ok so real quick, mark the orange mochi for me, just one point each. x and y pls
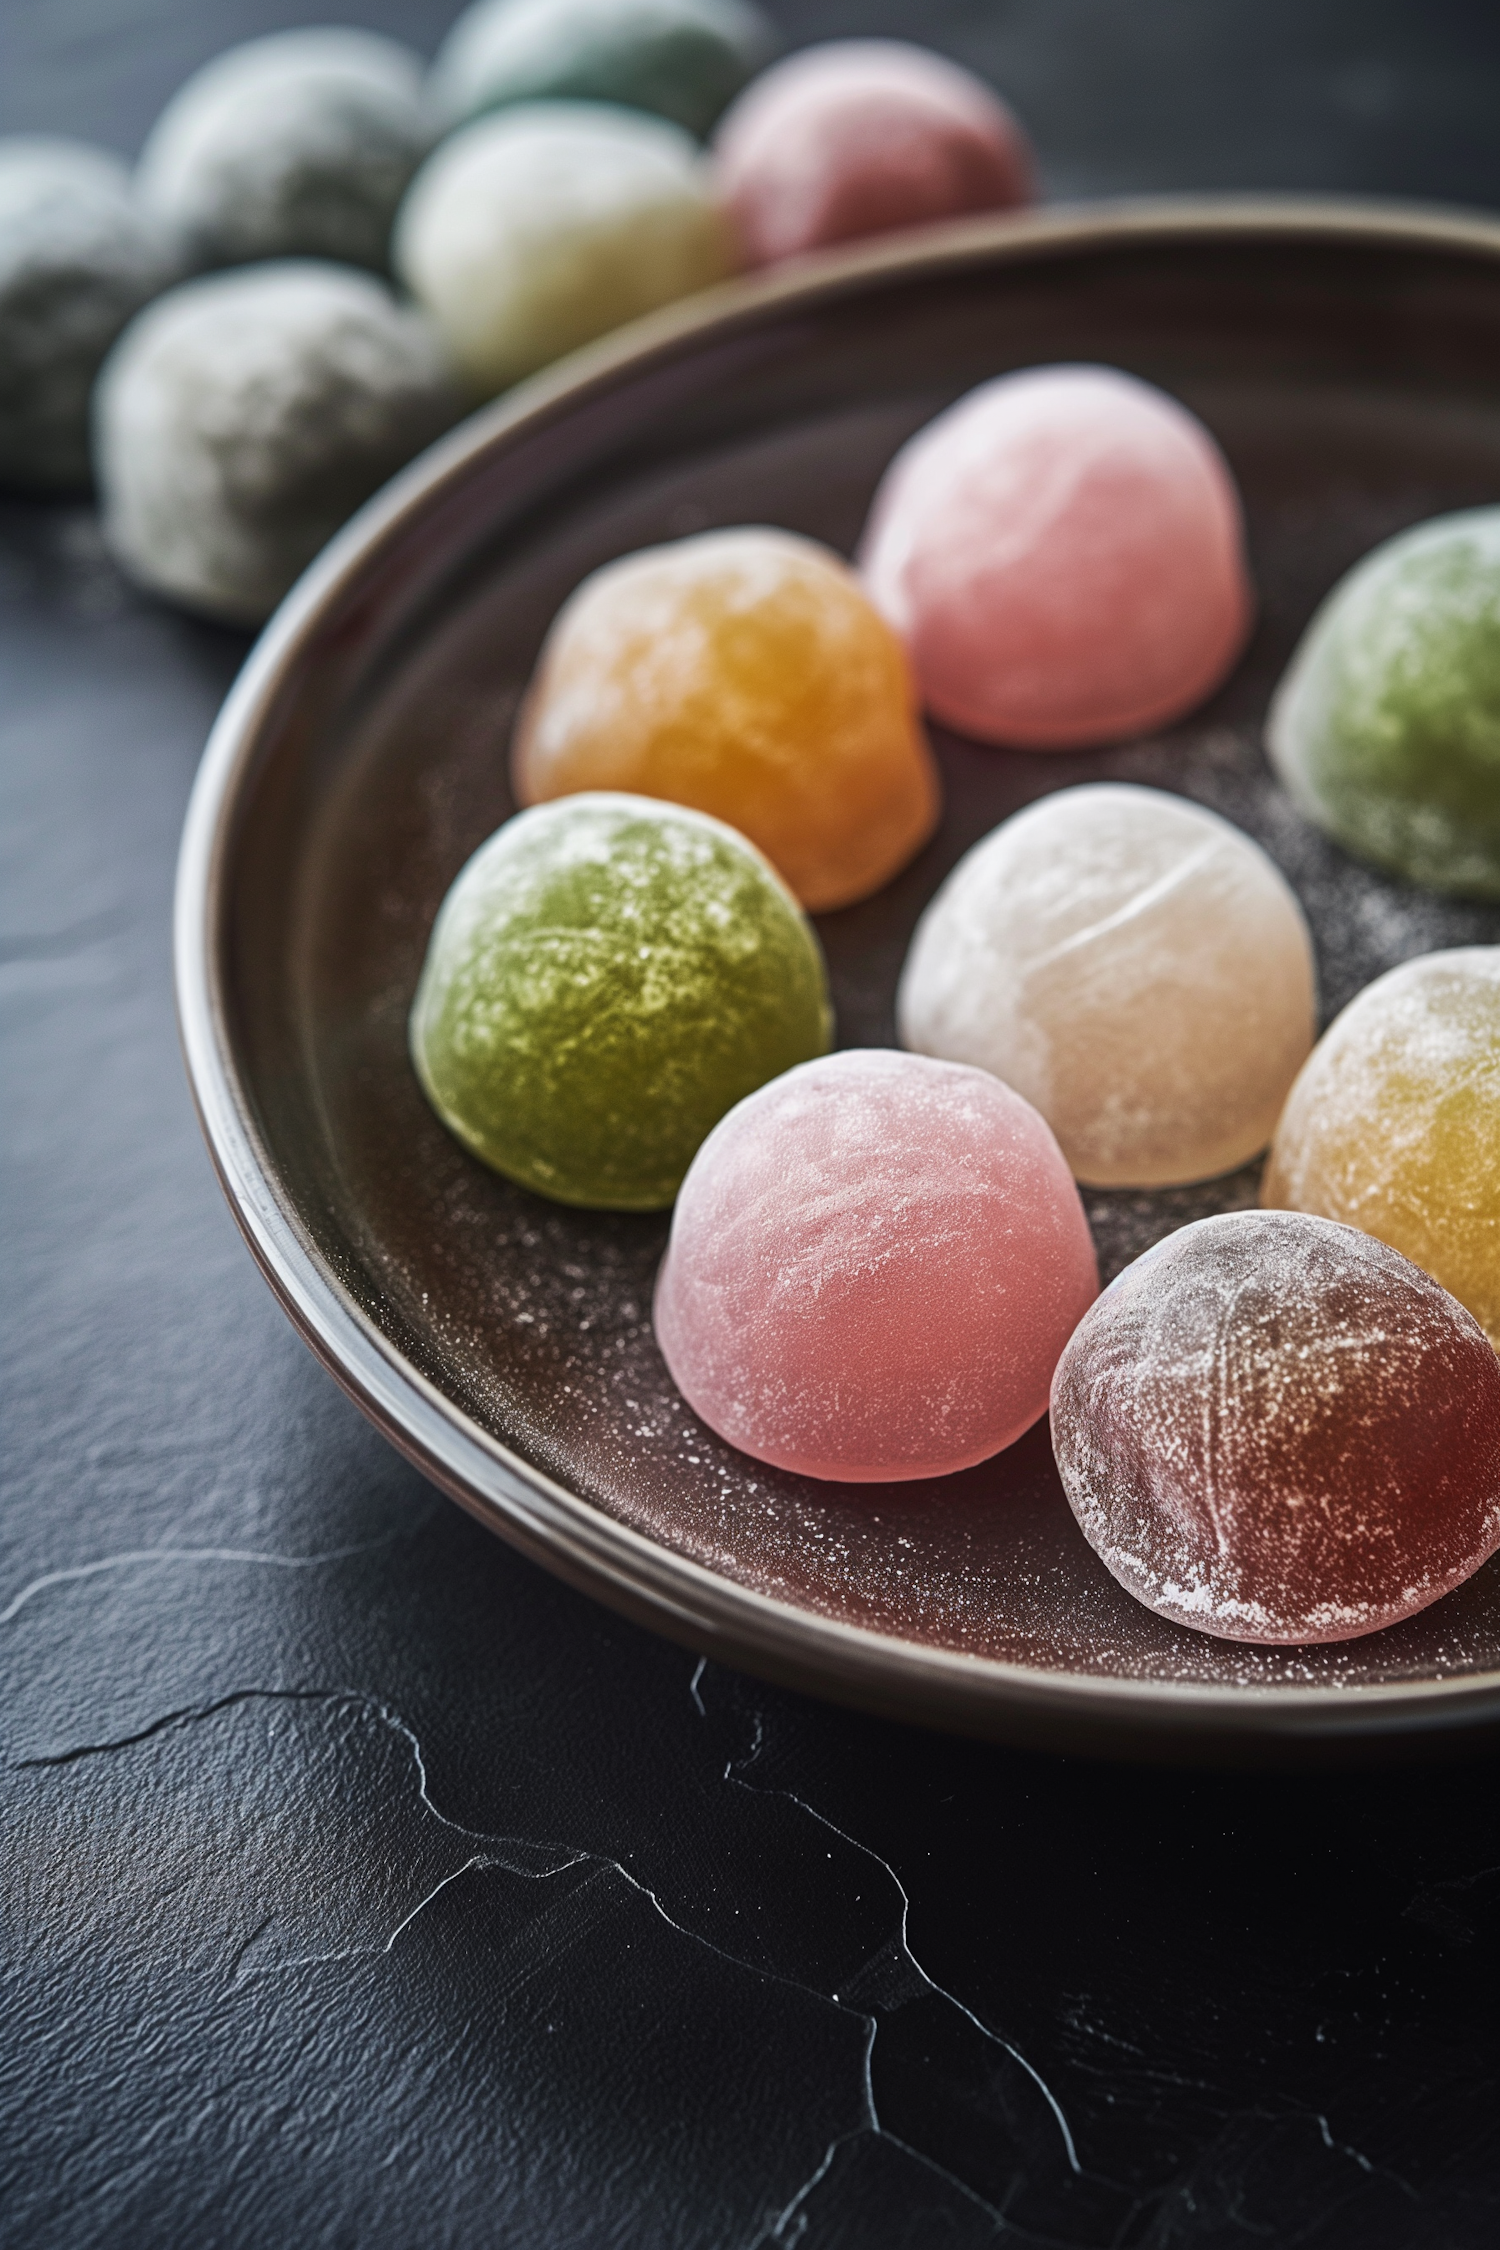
(744, 673)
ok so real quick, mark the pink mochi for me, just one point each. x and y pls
(874, 1265)
(1063, 554)
(860, 137)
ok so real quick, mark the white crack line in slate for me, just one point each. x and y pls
(777, 2230)
(937, 1990)
(134, 1555)
(569, 1854)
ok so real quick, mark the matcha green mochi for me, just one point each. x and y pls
(607, 976)
(682, 59)
(1386, 727)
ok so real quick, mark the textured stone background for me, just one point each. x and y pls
(364, 1886)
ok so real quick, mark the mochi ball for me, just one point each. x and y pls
(297, 145)
(78, 257)
(1393, 1124)
(679, 59)
(857, 138)
(1273, 1428)
(873, 1266)
(1386, 727)
(1134, 966)
(1063, 553)
(606, 977)
(533, 231)
(244, 416)
(747, 673)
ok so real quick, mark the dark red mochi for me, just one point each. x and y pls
(1275, 1428)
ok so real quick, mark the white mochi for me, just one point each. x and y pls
(1133, 965)
(244, 416)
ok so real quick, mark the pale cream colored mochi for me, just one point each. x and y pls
(1133, 965)
(534, 230)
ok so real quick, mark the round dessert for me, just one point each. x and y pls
(1062, 552)
(605, 979)
(859, 137)
(243, 417)
(1394, 1124)
(298, 145)
(534, 231)
(680, 59)
(874, 1264)
(1386, 727)
(1134, 966)
(1273, 1428)
(744, 672)
(78, 258)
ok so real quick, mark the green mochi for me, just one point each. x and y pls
(606, 977)
(1386, 727)
(682, 59)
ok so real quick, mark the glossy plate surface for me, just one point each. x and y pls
(1348, 359)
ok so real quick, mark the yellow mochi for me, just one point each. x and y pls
(1393, 1125)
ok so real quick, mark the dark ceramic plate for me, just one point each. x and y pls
(1349, 361)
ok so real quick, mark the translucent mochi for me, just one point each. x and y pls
(1134, 966)
(859, 137)
(1062, 552)
(873, 1266)
(1394, 1124)
(1386, 728)
(533, 231)
(744, 672)
(298, 145)
(604, 980)
(681, 59)
(243, 417)
(78, 257)
(1277, 1429)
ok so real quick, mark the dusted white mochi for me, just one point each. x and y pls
(1134, 966)
(244, 417)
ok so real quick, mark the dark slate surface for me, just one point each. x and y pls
(366, 1887)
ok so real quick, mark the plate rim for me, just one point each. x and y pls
(686, 1600)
